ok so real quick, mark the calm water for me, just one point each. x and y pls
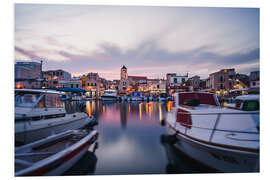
(131, 141)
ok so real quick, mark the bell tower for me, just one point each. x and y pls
(123, 74)
(123, 79)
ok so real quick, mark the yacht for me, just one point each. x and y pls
(226, 139)
(40, 113)
(109, 95)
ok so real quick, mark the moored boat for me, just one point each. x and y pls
(53, 155)
(226, 139)
(40, 113)
(163, 97)
(136, 96)
(109, 95)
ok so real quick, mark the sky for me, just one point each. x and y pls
(150, 41)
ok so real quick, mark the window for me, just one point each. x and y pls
(251, 106)
(221, 78)
(95, 84)
(41, 103)
(175, 80)
(71, 85)
(183, 80)
(52, 101)
(254, 83)
(77, 85)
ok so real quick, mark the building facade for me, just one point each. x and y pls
(28, 75)
(254, 78)
(222, 80)
(195, 83)
(56, 78)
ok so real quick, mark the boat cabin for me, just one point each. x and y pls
(38, 99)
(247, 103)
(30, 103)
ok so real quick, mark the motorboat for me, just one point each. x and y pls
(109, 95)
(136, 96)
(40, 113)
(53, 155)
(163, 97)
(226, 139)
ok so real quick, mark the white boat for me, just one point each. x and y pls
(40, 113)
(136, 96)
(226, 139)
(77, 98)
(109, 95)
(163, 97)
(53, 155)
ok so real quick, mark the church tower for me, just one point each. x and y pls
(123, 79)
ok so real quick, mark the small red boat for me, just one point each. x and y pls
(53, 155)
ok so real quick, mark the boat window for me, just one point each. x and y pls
(41, 103)
(52, 101)
(251, 106)
(26, 100)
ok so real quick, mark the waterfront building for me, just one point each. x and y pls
(195, 83)
(241, 81)
(222, 81)
(28, 75)
(54, 77)
(254, 78)
(156, 86)
(92, 83)
(176, 80)
(176, 83)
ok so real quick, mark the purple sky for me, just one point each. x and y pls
(150, 41)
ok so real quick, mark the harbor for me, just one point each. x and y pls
(118, 94)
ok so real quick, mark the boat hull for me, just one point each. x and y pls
(29, 131)
(219, 158)
(109, 98)
(136, 98)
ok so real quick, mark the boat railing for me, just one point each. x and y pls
(217, 120)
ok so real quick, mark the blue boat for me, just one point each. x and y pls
(136, 96)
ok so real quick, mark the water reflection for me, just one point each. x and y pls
(86, 165)
(178, 162)
(129, 137)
